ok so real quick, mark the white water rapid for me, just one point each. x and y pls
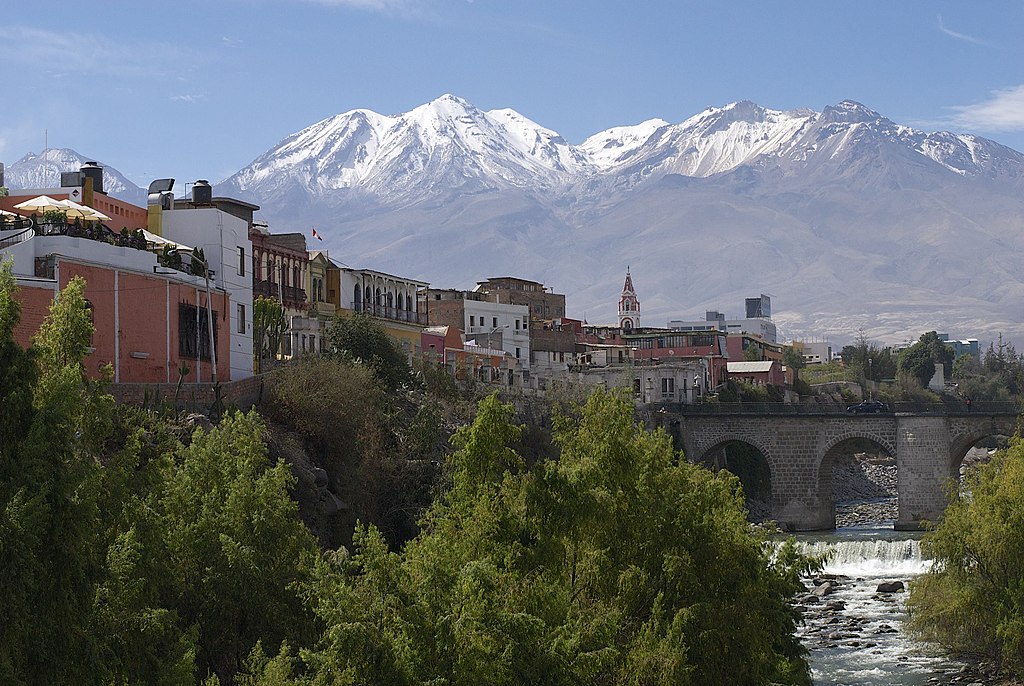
(854, 632)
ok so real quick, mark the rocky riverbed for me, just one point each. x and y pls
(854, 614)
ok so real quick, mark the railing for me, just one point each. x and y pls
(983, 407)
(19, 237)
(394, 313)
(269, 289)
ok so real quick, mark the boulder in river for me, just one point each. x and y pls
(890, 587)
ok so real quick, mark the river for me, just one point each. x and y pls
(854, 633)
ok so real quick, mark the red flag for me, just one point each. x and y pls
(316, 235)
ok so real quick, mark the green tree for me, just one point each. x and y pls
(50, 547)
(793, 359)
(236, 545)
(868, 360)
(972, 599)
(618, 563)
(269, 327)
(919, 360)
(65, 335)
(362, 337)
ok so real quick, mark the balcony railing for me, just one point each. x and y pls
(390, 313)
(289, 294)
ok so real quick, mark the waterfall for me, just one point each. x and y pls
(870, 557)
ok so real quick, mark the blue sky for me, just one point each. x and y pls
(199, 89)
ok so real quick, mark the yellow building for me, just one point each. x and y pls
(389, 299)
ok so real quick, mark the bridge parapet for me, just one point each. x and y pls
(942, 409)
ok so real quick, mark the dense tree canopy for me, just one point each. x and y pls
(617, 563)
(972, 600)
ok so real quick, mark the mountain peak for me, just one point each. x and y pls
(849, 112)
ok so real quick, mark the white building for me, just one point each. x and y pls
(763, 327)
(220, 226)
(501, 326)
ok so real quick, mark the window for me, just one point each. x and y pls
(241, 318)
(241, 261)
(472, 320)
(517, 353)
(194, 332)
(494, 322)
(668, 386)
(312, 343)
(303, 342)
(517, 325)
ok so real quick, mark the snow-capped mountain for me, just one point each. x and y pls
(443, 147)
(43, 170)
(851, 221)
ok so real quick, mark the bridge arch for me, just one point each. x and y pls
(840, 451)
(968, 435)
(749, 460)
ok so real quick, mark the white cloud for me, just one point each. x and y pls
(959, 36)
(189, 98)
(60, 53)
(1004, 111)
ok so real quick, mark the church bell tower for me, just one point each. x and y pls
(629, 306)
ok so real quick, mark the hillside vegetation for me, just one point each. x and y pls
(144, 547)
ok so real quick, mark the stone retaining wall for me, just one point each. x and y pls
(242, 394)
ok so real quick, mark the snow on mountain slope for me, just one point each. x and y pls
(43, 170)
(612, 146)
(446, 143)
(448, 147)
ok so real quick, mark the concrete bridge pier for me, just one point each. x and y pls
(922, 473)
(803, 509)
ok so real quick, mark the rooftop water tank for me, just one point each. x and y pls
(91, 170)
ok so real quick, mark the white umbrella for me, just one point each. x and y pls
(83, 211)
(5, 213)
(160, 240)
(41, 204)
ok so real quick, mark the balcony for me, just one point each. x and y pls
(392, 313)
(288, 294)
(322, 309)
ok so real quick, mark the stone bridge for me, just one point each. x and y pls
(801, 443)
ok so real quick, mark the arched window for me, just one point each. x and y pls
(356, 297)
(391, 299)
(627, 325)
(377, 300)
(408, 303)
(401, 301)
(368, 300)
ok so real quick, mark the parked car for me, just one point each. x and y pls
(868, 407)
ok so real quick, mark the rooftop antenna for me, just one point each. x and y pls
(46, 140)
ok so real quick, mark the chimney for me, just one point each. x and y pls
(159, 199)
